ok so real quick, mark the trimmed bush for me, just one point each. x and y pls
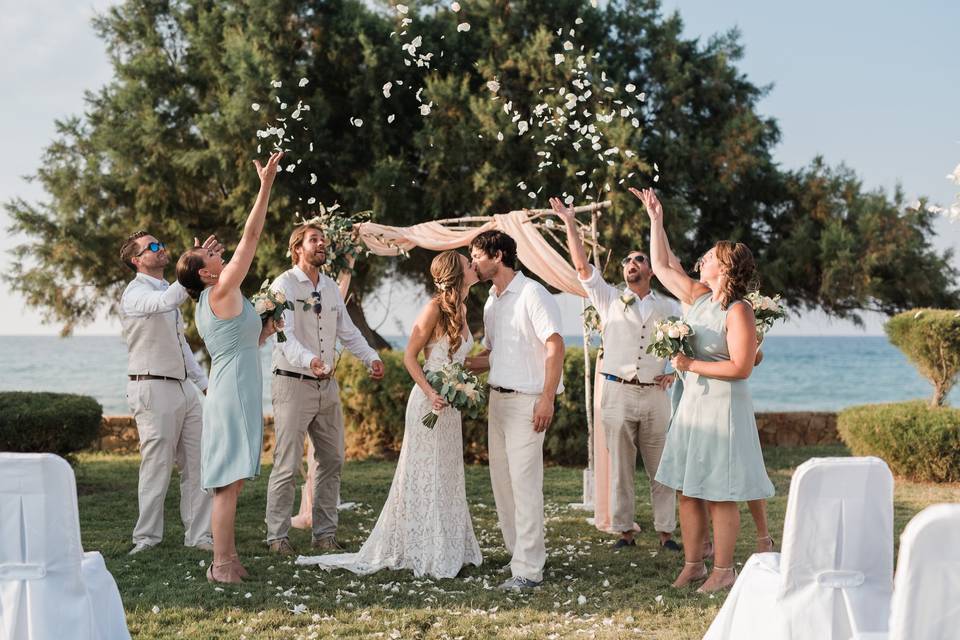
(42, 422)
(374, 413)
(916, 440)
(930, 338)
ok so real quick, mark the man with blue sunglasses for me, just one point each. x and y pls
(162, 393)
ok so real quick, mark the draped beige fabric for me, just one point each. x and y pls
(534, 251)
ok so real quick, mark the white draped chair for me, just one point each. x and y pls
(926, 589)
(835, 576)
(50, 588)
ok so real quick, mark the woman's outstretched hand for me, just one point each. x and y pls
(269, 172)
(651, 202)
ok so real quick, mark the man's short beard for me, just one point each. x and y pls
(316, 259)
(635, 278)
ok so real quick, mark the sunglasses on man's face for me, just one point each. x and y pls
(637, 259)
(155, 247)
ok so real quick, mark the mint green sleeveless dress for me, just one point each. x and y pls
(712, 449)
(233, 409)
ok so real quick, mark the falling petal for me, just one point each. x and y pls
(255, 106)
(463, 26)
(386, 89)
(391, 118)
(402, 9)
(455, 7)
(558, 58)
(303, 82)
(630, 88)
(313, 178)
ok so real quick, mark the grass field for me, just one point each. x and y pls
(589, 591)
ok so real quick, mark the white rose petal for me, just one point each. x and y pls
(455, 7)
(463, 26)
(558, 58)
(581, 600)
(493, 85)
(673, 332)
(313, 178)
(425, 109)
(402, 9)
(391, 117)
(955, 176)
(291, 167)
(568, 46)
(386, 89)
(255, 106)
(630, 88)
(276, 84)
(303, 82)
(155, 609)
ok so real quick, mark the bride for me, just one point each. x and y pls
(425, 524)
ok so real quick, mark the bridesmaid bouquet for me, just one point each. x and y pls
(459, 388)
(271, 304)
(767, 310)
(672, 337)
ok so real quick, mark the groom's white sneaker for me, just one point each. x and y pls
(516, 583)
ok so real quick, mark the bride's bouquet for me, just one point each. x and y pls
(767, 310)
(459, 388)
(271, 304)
(672, 337)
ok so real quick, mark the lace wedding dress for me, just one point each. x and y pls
(425, 524)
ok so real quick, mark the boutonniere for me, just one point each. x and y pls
(627, 298)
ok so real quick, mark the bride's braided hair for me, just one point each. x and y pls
(738, 267)
(447, 272)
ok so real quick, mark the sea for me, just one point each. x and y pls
(822, 373)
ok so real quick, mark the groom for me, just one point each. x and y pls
(524, 352)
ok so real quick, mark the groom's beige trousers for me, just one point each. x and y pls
(635, 419)
(169, 419)
(516, 473)
(302, 407)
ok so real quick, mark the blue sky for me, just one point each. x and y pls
(871, 84)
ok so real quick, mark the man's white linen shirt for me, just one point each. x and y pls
(516, 325)
(628, 331)
(293, 349)
(146, 295)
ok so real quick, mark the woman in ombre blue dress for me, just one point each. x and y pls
(712, 454)
(233, 413)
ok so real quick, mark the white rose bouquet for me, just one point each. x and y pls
(672, 337)
(767, 310)
(460, 389)
(271, 304)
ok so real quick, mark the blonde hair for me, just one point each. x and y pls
(296, 238)
(738, 267)
(447, 272)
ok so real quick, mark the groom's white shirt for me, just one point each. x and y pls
(516, 326)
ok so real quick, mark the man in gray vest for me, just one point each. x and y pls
(165, 404)
(634, 407)
(306, 398)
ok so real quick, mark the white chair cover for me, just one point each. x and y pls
(835, 575)
(50, 588)
(926, 590)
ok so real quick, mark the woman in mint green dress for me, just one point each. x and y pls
(712, 454)
(233, 413)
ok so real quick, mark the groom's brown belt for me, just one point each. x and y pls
(298, 376)
(637, 383)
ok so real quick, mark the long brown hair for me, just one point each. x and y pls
(738, 267)
(188, 272)
(447, 272)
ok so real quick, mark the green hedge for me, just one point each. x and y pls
(374, 413)
(60, 423)
(930, 338)
(916, 440)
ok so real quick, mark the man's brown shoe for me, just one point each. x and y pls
(282, 547)
(326, 544)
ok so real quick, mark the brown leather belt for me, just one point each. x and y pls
(502, 390)
(298, 376)
(636, 383)
(139, 377)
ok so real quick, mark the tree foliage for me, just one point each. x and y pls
(930, 338)
(167, 145)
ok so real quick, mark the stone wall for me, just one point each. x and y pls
(790, 429)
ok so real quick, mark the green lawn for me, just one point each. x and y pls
(627, 593)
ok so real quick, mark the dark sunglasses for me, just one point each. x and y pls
(637, 259)
(315, 299)
(153, 246)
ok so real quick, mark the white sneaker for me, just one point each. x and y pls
(139, 547)
(518, 583)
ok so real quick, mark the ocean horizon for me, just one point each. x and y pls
(798, 373)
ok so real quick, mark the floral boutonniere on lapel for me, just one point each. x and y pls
(627, 298)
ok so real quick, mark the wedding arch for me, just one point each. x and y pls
(540, 242)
